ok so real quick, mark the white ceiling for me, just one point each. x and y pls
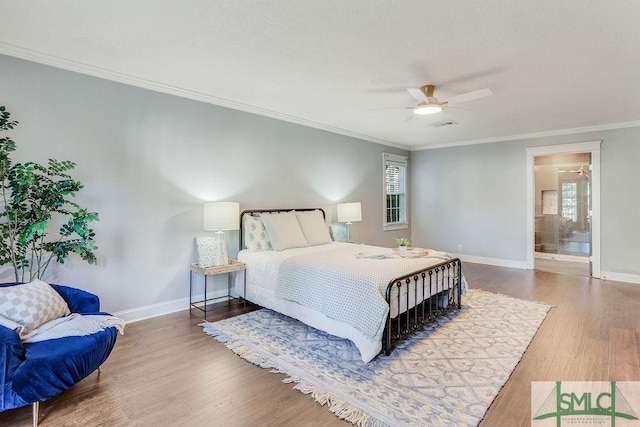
(555, 66)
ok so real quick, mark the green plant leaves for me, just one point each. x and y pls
(403, 241)
(31, 197)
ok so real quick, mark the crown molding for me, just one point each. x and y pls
(597, 128)
(103, 73)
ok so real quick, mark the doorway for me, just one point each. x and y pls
(563, 205)
(562, 241)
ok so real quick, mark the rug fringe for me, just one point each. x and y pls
(241, 350)
(340, 408)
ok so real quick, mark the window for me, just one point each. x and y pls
(395, 191)
(570, 200)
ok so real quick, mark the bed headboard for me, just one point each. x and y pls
(257, 212)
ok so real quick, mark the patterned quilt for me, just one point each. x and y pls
(348, 284)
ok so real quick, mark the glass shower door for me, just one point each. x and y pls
(563, 210)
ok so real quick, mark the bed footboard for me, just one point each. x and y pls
(426, 295)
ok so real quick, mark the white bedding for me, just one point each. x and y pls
(262, 275)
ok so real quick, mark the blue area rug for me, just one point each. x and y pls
(446, 375)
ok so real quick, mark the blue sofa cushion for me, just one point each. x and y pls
(12, 354)
(53, 366)
(79, 301)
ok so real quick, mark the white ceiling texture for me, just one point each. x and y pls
(554, 66)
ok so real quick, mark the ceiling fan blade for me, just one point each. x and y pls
(391, 108)
(469, 96)
(408, 119)
(417, 94)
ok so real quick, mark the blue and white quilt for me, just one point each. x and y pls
(348, 284)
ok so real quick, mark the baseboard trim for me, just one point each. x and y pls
(493, 261)
(167, 307)
(620, 277)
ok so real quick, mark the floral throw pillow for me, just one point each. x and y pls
(255, 235)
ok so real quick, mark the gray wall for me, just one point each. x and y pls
(476, 196)
(148, 161)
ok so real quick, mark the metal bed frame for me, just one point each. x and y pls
(443, 282)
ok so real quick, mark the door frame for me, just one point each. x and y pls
(592, 147)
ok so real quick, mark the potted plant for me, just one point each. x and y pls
(32, 197)
(403, 243)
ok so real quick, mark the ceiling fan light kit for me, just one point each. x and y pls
(429, 104)
(424, 108)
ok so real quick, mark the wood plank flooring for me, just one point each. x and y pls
(166, 372)
(563, 267)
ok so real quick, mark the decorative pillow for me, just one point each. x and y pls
(255, 236)
(283, 230)
(30, 305)
(212, 250)
(314, 228)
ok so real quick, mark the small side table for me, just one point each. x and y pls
(233, 267)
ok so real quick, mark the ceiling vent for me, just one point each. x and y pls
(444, 123)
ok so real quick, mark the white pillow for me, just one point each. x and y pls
(283, 230)
(255, 236)
(314, 228)
(30, 305)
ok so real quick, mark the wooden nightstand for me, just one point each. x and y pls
(233, 267)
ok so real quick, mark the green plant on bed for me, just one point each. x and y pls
(33, 196)
(403, 241)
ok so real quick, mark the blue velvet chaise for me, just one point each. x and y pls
(34, 372)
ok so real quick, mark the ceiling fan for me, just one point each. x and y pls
(429, 104)
(582, 171)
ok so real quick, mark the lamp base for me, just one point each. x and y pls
(212, 250)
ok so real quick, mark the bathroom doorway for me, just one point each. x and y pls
(563, 213)
(563, 208)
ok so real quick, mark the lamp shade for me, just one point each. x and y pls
(221, 216)
(349, 212)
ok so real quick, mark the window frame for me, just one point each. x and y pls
(569, 200)
(403, 163)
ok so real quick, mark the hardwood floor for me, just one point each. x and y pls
(166, 372)
(562, 267)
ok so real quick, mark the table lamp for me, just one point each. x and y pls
(349, 213)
